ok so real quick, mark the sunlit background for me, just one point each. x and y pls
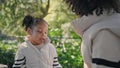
(59, 18)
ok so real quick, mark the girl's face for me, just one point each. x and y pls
(38, 34)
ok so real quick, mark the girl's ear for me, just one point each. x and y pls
(29, 31)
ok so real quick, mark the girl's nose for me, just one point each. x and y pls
(44, 35)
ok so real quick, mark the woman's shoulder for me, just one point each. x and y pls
(111, 23)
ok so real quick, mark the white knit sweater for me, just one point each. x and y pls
(100, 40)
(30, 57)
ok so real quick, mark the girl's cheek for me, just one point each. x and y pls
(34, 34)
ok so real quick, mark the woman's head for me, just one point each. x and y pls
(36, 28)
(87, 7)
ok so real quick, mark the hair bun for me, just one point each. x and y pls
(27, 21)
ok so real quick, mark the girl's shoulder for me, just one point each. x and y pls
(51, 45)
(22, 45)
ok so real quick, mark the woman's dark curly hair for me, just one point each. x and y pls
(87, 7)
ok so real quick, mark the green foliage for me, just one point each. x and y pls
(7, 53)
(13, 11)
(55, 32)
(68, 49)
(59, 14)
(70, 56)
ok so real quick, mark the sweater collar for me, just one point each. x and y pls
(41, 45)
(80, 25)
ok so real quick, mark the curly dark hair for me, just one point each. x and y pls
(87, 7)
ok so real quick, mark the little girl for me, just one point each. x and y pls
(36, 51)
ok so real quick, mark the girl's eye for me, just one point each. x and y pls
(39, 31)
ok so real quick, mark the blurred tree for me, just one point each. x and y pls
(59, 14)
(13, 11)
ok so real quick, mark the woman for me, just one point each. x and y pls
(98, 24)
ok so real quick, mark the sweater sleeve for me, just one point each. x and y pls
(56, 63)
(105, 50)
(19, 59)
